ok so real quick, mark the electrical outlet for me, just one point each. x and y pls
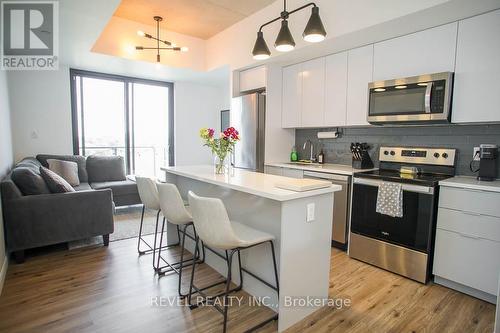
(475, 154)
(310, 212)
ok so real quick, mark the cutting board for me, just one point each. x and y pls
(302, 185)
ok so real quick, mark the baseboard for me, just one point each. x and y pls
(466, 290)
(3, 271)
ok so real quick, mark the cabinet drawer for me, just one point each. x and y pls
(470, 224)
(293, 173)
(470, 261)
(272, 170)
(474, 201)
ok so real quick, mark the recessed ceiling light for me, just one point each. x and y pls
(422, 84)
(400, 87)
(379, 89)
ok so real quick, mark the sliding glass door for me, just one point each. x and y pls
(129, 117)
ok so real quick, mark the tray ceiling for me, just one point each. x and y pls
(197, 18)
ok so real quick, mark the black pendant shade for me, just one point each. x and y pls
(284, 41)
(314, 31)
(260, 50)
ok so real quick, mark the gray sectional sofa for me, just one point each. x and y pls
(35, 220)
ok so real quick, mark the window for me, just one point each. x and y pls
(124, 116)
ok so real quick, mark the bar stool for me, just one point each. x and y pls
(148, 192)
(216, 231)
(175, 212)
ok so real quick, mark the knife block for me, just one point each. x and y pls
(365, 162)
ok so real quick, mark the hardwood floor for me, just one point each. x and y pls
(111, 289)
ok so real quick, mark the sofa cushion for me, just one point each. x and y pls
(105, 168)
(29, 162)
(80, 160)
(29, 181)
(122, 187)
(83, 187)
(56, 183)
(66, 169)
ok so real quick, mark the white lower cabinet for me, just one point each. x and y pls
(286, 172)
(272, 170)
(467, 248)
(293, 173)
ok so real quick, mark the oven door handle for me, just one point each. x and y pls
(406, 187)
(428, 95)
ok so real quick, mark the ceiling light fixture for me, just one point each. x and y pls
(313, 33)
(170, 46)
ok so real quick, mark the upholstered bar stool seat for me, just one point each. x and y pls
(217, 231)
(176, 212)
(248, 236)
(150, 200)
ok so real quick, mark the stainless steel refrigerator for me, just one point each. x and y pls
(248, 116)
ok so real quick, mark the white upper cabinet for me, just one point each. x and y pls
(253, 78)
(313, 93)
(359, 74)
(336, 90)
(424, 52)
(476, 95)
(292, 96)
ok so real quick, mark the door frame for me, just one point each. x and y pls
(128, 109)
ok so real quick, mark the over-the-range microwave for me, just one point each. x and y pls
(417, 99)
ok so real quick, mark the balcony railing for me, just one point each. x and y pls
(145, 160)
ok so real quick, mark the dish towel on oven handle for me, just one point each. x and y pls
(390, 199)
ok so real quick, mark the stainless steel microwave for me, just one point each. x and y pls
(417, 99)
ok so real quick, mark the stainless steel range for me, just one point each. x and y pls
(403, 245)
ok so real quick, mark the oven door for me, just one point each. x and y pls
(423, 98)
(414, 230)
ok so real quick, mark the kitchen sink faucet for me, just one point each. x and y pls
(312, 147)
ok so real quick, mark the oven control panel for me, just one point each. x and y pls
(418, 155)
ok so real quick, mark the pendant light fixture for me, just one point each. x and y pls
(169, 46)
(313, 33)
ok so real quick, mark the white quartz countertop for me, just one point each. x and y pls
(339, 169)
(472, 183)
(255, 183)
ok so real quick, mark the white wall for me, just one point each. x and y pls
(196, 106)
(5, 161)
(41, 112)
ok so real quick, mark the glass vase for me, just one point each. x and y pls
(220, 165)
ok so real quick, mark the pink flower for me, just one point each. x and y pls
(211, 132)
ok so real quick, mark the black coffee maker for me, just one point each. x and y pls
(488, 164)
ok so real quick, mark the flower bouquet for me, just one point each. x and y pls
(221, 146)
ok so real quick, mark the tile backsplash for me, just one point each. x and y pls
(461, 137)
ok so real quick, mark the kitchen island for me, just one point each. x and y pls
(300, 221)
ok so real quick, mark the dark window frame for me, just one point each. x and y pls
(128, 109)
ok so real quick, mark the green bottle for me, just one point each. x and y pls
(293, 156)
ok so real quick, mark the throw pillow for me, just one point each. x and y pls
(66, 169)
(55, 183)
(29, 181)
